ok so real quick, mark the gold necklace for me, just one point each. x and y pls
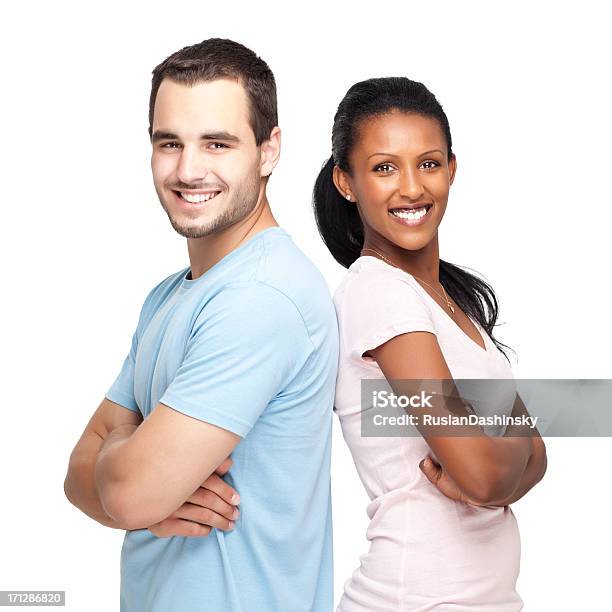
(444, 297)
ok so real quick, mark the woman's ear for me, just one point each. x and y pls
(452, 168)
(342, 183)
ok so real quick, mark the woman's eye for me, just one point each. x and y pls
(432, 164)
(383, 168)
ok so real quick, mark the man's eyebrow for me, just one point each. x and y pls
(421, 155)
(225, 136)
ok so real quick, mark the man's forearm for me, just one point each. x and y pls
(80, 486)
(106, 471)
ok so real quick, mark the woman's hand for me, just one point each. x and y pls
(212, 505)
(437, 476)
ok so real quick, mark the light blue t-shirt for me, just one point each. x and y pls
(250, 346)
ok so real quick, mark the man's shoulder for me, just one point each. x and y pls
(162, 289)
(285, 267)
(292, 300)
(172, 279)
(252, 297)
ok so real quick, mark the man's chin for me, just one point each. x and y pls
(191, 231)
(218, 220)
(190, 228)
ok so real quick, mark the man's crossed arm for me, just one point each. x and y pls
(211, 503)
(144, 475)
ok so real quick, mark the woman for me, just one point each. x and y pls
(442, 534)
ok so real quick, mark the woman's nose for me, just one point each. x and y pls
(410, 185)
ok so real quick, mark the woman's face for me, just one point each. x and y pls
(400, 178)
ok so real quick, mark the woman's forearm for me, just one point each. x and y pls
(534, 472)
(482, 467)
(536, 466)
(505, 468)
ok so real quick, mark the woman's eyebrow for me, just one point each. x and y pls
(432, 151)
(420, 155)
(383, 153)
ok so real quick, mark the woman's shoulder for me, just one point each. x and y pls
(373, 288)
(370, 276)
(375, 302)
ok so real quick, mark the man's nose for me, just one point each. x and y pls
(192, 166)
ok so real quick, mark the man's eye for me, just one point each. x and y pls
(218, 145)
(432, 163)
(383, 168)
(170, 145)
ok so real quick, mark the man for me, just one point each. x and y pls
(236, 354)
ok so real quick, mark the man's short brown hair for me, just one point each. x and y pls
(218, 58)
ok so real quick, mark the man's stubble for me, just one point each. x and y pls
(238, 208)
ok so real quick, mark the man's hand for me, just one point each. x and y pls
(437, 476)
(212, 505)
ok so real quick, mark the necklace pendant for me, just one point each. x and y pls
(451, 307)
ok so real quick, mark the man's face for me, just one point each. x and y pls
(206, 165)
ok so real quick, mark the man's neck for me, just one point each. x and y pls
(205, 252)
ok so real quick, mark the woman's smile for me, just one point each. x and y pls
(411, 216)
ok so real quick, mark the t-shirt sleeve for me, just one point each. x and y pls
(122, 390)
(247, 344)
(377, 306)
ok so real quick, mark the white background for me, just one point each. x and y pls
(84, 238)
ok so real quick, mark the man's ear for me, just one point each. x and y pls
(342, 183)
(452, 168)
(270, 152)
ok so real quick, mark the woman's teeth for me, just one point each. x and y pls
(196, 198)
(413, 215)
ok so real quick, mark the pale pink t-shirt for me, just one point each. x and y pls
(427, 551)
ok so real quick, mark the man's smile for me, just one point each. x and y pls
(195, 197)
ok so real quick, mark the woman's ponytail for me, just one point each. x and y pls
(337, 219)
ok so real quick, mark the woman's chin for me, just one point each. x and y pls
(410, 240)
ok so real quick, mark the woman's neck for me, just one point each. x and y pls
(423, 263)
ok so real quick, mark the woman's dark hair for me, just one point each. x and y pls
(339, 223)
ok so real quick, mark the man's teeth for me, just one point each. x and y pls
(413, 215)
(196, 198)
